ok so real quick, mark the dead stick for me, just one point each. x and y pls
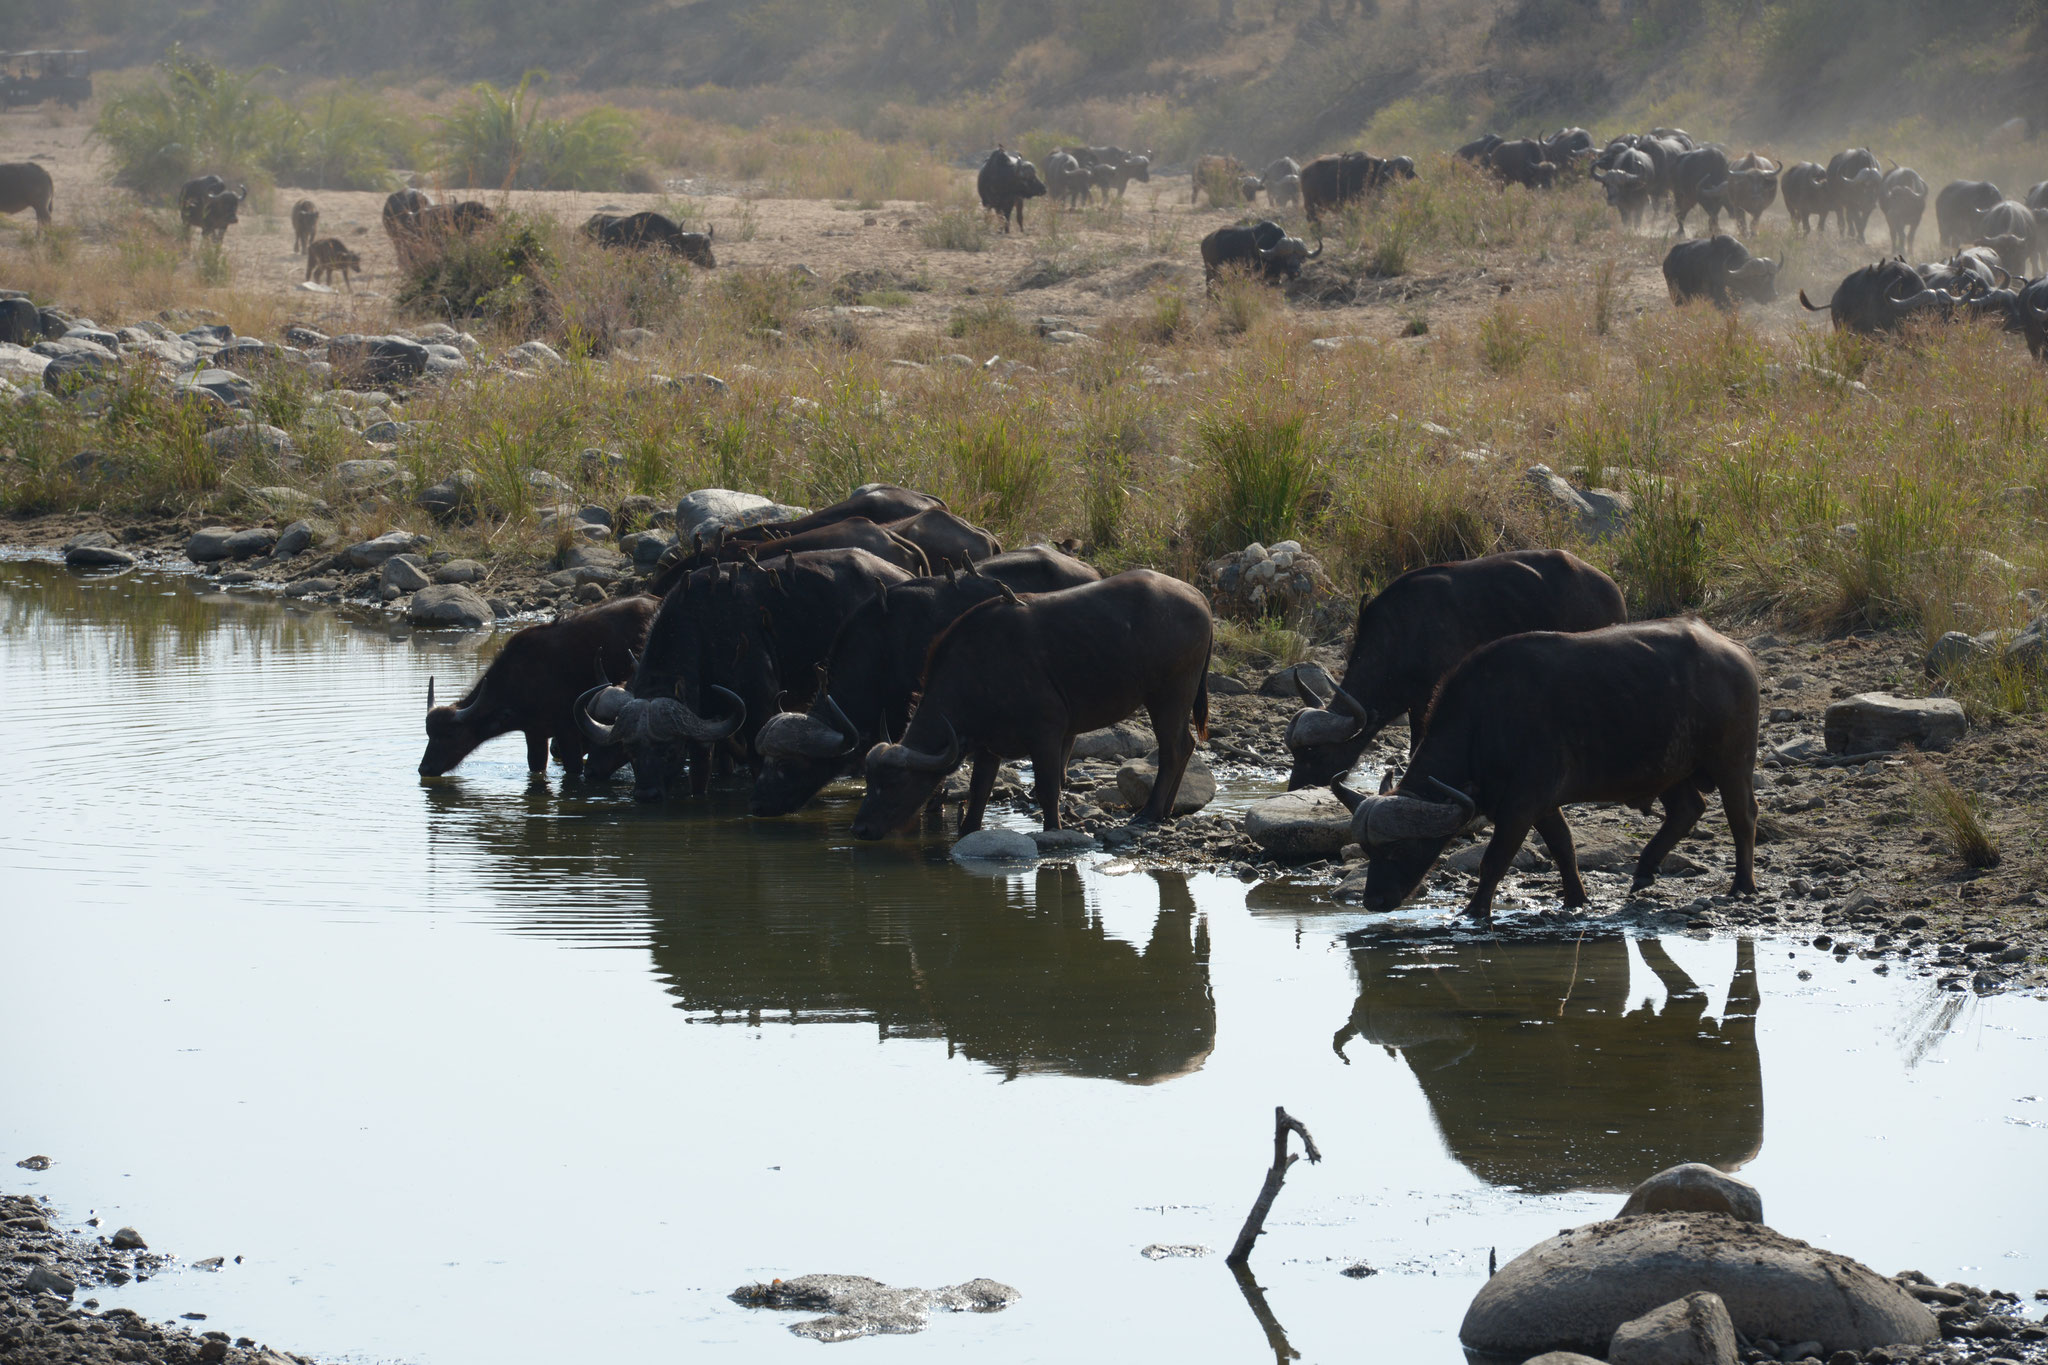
(1255, 1222)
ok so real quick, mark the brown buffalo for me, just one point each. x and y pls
(305, 224)
(25, 185)
(328, 255)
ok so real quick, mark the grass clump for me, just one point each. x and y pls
(955, 230)
(1263, 479)
(497, 139)
(1954, 815)
(1263, 644)
(496, 274)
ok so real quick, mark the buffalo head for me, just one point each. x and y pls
(1755, 278)
(1287, 256)
(453, 732)
(799, 755)
(1403, 836)
(656, 733)
(1327, 740)
(901, 780)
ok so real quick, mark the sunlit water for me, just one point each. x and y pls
(479, 1070)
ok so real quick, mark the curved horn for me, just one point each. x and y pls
(1393, 818)
(1466, 803)
(1350, 798)
(604, 679)
(1345, 702)
(839, 722)
(1307, 693)
(672, 718)
(919, 762)
(430, 693)
(594, 729)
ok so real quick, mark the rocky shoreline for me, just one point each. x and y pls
(49, 1317)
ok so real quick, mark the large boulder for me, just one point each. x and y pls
(1197, 785)
(1572, 1292)
(706, 509)
(1696, 1188)
(1300, 826)
(20, 324)
(371, 554)
(1871, 722)
(1119, 741)
(1694, 1330)
(209, 543)
(448, 605)
(376, 359)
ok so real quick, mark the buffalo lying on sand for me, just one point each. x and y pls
(874, 669)
(649, 229)
(1635, 714)
(1413, 633)
(1020, 677)
(1718, 268)
(1004, 183)
(25, 185)
(533, 684)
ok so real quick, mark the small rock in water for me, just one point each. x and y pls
(1358, 1271)
(995, 845)
(859, 1307)
(1696, 1188)
(34, 1163)
(98, 557)
(449, 604)
(1058, 841)
(127, 1239)
(1169, 1251)
(42, 1278)
(211, 1263)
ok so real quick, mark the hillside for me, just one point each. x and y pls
(1250, 76)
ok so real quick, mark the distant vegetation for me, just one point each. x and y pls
(496, 139)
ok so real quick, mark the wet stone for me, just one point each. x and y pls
(459, 571)
(407, 573)
(127, 1239)
(449, 605)
(857, 1306)
(995, 845)
(1300, 825)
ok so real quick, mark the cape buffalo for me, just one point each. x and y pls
(1879, 298)
(1718, 268)
(305, 224)
(1118, 175)
(1656, 711)
(1854, 182)
(735, 637)
(948, 542)
(1902, 197)
(2031, 309)
(1752, 186)
(854, 533)
(533, 686)
(1336, 178)
(1805, 187)
(25, 185)
(1416, 631)
(1066, 179)
(192, 197)
(1627, 181)
(403, 210)
(881, 503)
(874, 668)
(1004, 183)
(1265, 249)
(2010, 218)
(649, 229)
(1522, 162)
(1019, 677)
(1700, 177)
(1958, 207)
(1568, 149)
(328, 255)
(1480, 148)
(221, 212)
(2010, 250)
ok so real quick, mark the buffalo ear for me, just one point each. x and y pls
(882, 596)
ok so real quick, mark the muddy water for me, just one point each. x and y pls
(486, 1070)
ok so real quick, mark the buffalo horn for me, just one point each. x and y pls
(1350, 798)
(430, 694)
(1390, 819)
(1466, 803)
(672, 718)
(917, 761)
(595, 730)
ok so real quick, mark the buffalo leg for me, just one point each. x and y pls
(1738, 799)
(1510, 832)
(980, 782)
(569, 754)
(700, 769)
(536, 752)
(1176, 747)
(1682, 810)
(1048, 774)
(1557, 837)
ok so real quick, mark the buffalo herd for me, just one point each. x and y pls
(886, 640)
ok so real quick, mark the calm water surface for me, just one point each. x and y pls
(486, 1070)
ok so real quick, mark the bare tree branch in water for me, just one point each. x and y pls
(1276, 1335)
(1255, 1222)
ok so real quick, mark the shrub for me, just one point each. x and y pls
(498, 273)
(955, 230)
(1262, 478)
(497, 139)
(193, 115)
(347, 141)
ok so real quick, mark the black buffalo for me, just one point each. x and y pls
(1337, 178)
(1958, 207)
(649, 229)
(1067, 180)
(1020, 677)
(1700, 178)
(1902, 198)
(1524, 162)
(1656, 711)
(1480, 149)
(1718, 268)
(533, 686)
(1854, 183)
(1005, 183)
(1264, 249)
(1752, 187)
(875, 666)
(1627, 178)
(2031, 309)
(2011, 218)
(1412, 634)
(727, 644)
(853, 533)
(1879, 298)
(192, 197)
(305, 224)
(1805, 187)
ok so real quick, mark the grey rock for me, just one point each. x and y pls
(1873, 721)
(407, 573)
(58, 348)
(72, 372)
(248, 544)
(857, 1306)
(308, 587)
(1122, 740)
(646, 547)
(456, 493)
(376, 359)
(631, 338)
(231, 388)
(1952, 651)
(706, 508)
(127, 1239)
(593, 515)
(542, 481)
(595, 557)
(208, 544)
(1562, 1358)
(295, 539)
(459, 571)
(291, 501)
(1300, 825)
(534, 355)
(1172, 1251)
(362, 476)
(371, 554)
(243, 441)
(1281, 682)
(1223, 685)
(98, 557)
(995, 845)
(1054, 842)
(1468, 858)
(449, 605)
(90, 539)
(1694, 1330)
(1696, 1188)
(1197, 786)
(42, 1279)
(387, 433)
(704, 383)
(1573, 1291)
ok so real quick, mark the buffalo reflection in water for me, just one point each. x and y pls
(1539, 1075)
(753, 920)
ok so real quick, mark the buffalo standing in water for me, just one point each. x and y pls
(533, 685)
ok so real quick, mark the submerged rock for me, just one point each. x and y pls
(858, 1306)
(1573, 1291)
(1696, 1188)
(995, 845)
